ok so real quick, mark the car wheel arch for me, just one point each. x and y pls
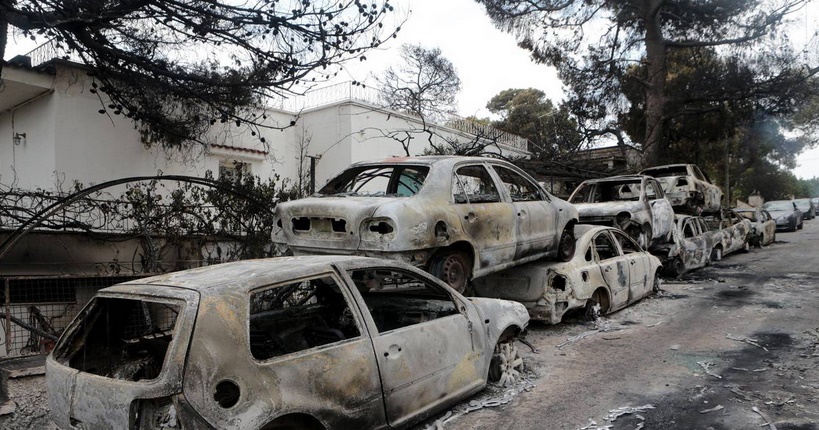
(300, 421)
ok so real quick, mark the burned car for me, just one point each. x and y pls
(688, 188)
(634, 203)
(294, 342)
(691, 248)
(787, 216)
(730, 232)
(807, 208)
(763, 227)
(456, 217)
(608, 272)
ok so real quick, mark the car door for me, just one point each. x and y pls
(640, 280)
(535, 216)
(769, 226)
(426, 340)
(662, 214)
(486, 219)
(613, 268)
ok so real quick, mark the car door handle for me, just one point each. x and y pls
(471, 217)
(632, 262)
(393, 350)
(607, 269)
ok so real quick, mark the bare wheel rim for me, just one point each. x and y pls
(506, 365)
(454, 272)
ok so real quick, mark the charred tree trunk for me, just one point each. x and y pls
(656, 80)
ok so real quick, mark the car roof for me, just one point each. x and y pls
(242, 276)
(423, 159)
(617, 178)
(665, 166)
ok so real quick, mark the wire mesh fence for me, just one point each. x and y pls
(35, 310)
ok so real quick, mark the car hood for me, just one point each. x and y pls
(607, 208)
(777, 214)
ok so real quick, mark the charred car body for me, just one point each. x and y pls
(688, 188)
(787, 216)
(456, 217)
(763, 226)
(608, 272)
(691, 248)
(634, 203)
(730, 232)
(301, 342)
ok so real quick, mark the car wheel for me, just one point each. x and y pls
(793, 226)
(801, 224)
(716, 254)
(657, 286)
(676, 267)
(746, 247)
(452, 267)
(567, 244)
(645, 237)
(597, 305)
(506, 364)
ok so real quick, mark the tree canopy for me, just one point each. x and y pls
(551, 131)
(425, 83)
(176, 68)
(614, 58)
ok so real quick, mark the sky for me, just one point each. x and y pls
(488, 60)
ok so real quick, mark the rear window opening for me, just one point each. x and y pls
(123, 339)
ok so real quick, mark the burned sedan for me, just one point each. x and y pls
(299, 342)
(730, 232)
(691, 248)
(635, 203)
(608, 272)
(688, 188)
(763, 227)
(456, 217)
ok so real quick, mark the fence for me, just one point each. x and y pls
(45, 306)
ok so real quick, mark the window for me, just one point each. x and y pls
(297, 316)
(519, 188)
(688, 230)
(399, 299)
(233, 170)
(472, 184)
(386, 181)
(626, 243)
(651, 193)
(604, 247)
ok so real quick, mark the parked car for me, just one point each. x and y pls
(688, 188)
(634, 203)
(691, 248)
(730, 233)
(807, 207)
(815, 202)
(456, 217)
(763, 227)
(609, 271)
(787, 216)
(301, 342)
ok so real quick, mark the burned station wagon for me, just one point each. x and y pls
(763, 226)
(688, 188)
(691, 248)
(608, 272)
(299, 342)
(456, 217)
(634, 203)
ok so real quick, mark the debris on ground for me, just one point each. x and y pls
(706, 366)
(765, 417)
(749, 341)
(714, 409)
(492, 397)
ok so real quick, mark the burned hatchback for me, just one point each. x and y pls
(302, 342)
(456, 217)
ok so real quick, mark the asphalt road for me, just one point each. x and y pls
(708, 352)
